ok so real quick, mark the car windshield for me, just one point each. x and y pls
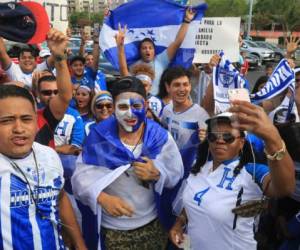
(252, 44)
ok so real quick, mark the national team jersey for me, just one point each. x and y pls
(26, 222)
(184, 127)
(16, 74)
(70, 130)
(210, 196)
(87, 79)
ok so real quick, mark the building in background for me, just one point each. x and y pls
(93, 5)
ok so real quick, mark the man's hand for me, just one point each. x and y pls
(291, 45)
(146, 171)
(214, 61)
(120, 36)
(189, 14)
(57, 42)
(114, 205)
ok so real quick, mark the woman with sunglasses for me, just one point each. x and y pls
(83, 98)
(215, 201)
(102, 108)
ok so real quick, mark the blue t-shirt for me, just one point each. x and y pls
(70, 130)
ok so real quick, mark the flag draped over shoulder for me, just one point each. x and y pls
(282, 77)
(104, 158)
(156, 19)
(225, 77)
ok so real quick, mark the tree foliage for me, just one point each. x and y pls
(221, 8)
(78, 18)
(284, 12)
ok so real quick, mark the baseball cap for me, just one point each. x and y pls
(25, 22)
(129, 84)
(226, 117)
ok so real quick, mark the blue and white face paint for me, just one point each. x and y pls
(130, 111)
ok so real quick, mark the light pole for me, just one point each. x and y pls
(250, 18)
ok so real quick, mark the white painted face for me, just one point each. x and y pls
(130, 111)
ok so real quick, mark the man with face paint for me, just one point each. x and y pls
(126, 164)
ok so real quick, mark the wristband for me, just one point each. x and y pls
(186, 20)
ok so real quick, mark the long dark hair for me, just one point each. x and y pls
(203, 154)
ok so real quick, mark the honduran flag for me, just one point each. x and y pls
(156, 19)
(104, 158)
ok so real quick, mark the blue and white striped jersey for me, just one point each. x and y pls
(70, 130)
(28, 223)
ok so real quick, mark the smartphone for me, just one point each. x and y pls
(238, 94)
(96, 29)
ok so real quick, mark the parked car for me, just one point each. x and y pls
(264, 54)
(279, 53)
(253, 60)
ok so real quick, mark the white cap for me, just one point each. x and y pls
(44, 53)
(221, 116)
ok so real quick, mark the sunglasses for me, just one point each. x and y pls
(101, 106)
(49, 92)
(226, 137)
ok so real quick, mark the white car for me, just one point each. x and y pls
(263, 53)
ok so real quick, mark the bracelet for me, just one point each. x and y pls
(278, 155)
(185, 20)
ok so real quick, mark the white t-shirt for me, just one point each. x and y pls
(23, 225)
(16, 74)
(210, 196)
(128, 187)
(183, 124)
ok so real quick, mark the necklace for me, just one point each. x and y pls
(35, 198)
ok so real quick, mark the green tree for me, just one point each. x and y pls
(284, 12)
(78, 18)
(231, 8)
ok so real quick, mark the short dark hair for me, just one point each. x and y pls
(269, 65)
(16, 91)
(46, 78)
(147, 39)
(23, 50)
(175, 72)
(77, 58)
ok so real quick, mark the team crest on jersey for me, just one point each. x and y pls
(37, 177)
(226, 77)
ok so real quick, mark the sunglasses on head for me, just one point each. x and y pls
(49, 92)
(102, 105)
(226, 137)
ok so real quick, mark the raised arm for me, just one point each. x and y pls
(120, 37)
(282, 173)
(96, 52)
(4, 57)
(189, 16)
(57, 43)
(291, 46)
